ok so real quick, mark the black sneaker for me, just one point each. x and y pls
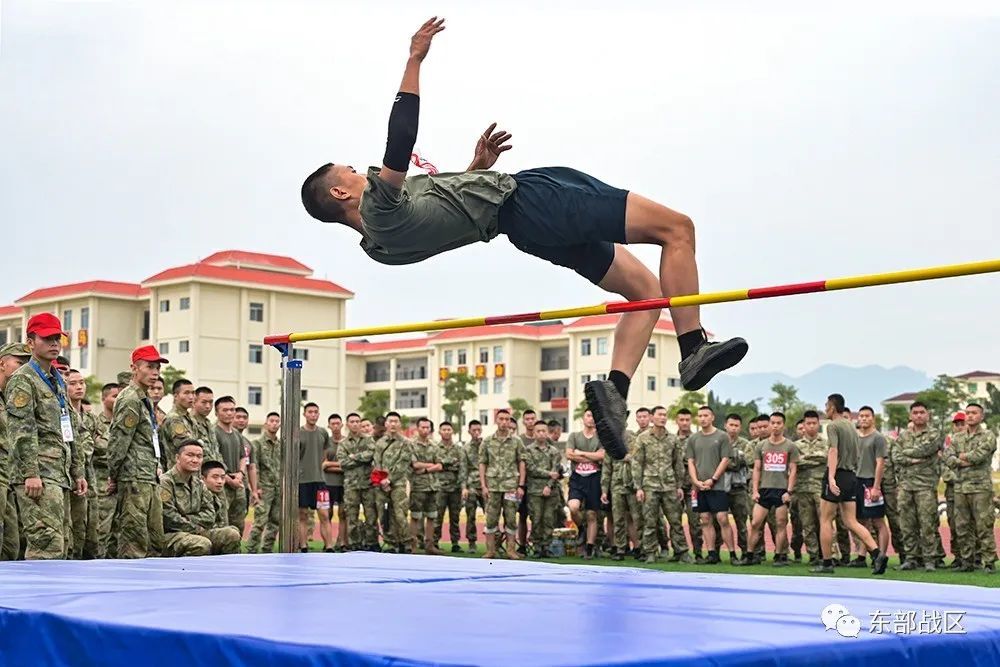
(907, 565)
(455, 549)
(860, 561)
(303, 550)
(329, 550)
(709, 360)
(820, 568)
(617, 557)
(879, 563)
(609, 410)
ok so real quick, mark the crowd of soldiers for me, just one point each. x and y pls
(126, 480)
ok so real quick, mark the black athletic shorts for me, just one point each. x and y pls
(586, 488)
(873, 512)
(336, 494)
(847, 483)
(565, 217)
(771, 498)
(307, 494)
(712, 501)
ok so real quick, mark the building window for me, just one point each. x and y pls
(651, 383)
(145, 325)
(651, 350)
(409, 399)
(484, 417)
(17, 334)
(448, 354)
(67, 320)
(498, 385)
(376, 371)
(164, 348)
(584, 379)
(484, 355)
(184, 346)
(255, 395)
(256, 354)
(601, 377)
(484, 387)
(585, 347)
(972, 385)
(3, 336)
(411, 369)
(497, 354)
(256, 312)
(555, 358)
(300, 353)
(602, 345)
(305, 394)
(165, 306)
(84, 357)
(84, 318)
(673, 382)
(461, 358)
(185, 303)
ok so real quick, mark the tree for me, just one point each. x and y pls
(746, 411)
(518, 406)
(944, 398)
(457, 390)
(170, 375)
(992, 407)
(897, 417)
(692, 400)
(580, 409)
(786, 400)
(374, 404)
(93, 390)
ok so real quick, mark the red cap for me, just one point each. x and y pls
(44, 325)
(147, 353)
(58, 365)
(959, 417)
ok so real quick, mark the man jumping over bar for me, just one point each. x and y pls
(556, 213)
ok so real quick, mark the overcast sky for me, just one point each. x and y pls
(137, 136)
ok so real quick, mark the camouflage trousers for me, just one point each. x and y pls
(892, 516)
(740, 507)
(266, 520)
(46, 522)
(540, 509)
(694, 522)
(805, 509)
(657, 505)
(974, 527)
(625, 506)
(949, 501)
(85, 513)
(361, 532)
(496, 505)
(472, 501)
(918, 519)
(559, 507)
(106, 504)
(394, 521)
(452, 502)
(138, 522)
(10, 532)
(213, 542)
(236, 508)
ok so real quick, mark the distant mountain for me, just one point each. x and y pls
(868, 385)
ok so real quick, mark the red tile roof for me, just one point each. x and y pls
(7, 311)
(664, 323)
(500, 330)
(385, 345)
(257, 260)
(907, 396)
(105, 287)
(976, 374)
(252, 276)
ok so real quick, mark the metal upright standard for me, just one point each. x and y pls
(291, 384)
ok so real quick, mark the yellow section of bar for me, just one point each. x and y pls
(914, 275)
(711, 297)
(585, 311)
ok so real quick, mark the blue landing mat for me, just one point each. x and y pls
(371, 609)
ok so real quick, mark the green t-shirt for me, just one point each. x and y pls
(331, 453)
(312, 446)
(584, 444)
(708, 452)
(231, 447)
(872, 447)
(842, 435)
(774, 463)
(431, 214)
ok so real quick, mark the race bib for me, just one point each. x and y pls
(586, 468)
(775, 461)
(156, 443)
(868, 498)
(322, 499)
(694, 498)
(66, 426)
(511, 496)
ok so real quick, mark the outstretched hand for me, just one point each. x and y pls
(421, 42)
(489, 147)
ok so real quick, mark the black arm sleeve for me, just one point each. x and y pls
(402, 131)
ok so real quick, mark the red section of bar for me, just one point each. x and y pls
(632, 306)
(513, 319)
(786, 290)
(276, 340)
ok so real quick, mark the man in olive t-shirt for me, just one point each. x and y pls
(872, 452)
(313, 495)
(774, 473)
(708, 453)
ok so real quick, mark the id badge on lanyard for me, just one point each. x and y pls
(66, 426)
(156, 441)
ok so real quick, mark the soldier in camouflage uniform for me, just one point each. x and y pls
(83, 509)
(204, 431)
(559, 506)
(267, 513)
(12, 357)
(188, 505)
(424, 488)
(106, 501)
(393, 460)
(683, 420)
(915, 459)
(502, 476)
(948, 476)
(658, 465)
(215, 512)
(812, 468)
(890, 492)
(970, 455)
(48, 466)
(449, 486)
(357, 451)
(178, 425)
(739, 471)
(468, 474)
(133, 461)
(618, 490)
(542, 469)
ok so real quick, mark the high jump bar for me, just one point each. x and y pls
(869, 280)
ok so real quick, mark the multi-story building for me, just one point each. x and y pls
(974, 383)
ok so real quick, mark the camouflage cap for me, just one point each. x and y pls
(15, 350)
(124, 378)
